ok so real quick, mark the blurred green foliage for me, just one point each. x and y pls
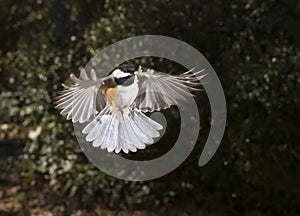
(254, 47)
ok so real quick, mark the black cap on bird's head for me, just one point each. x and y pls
(128, 68)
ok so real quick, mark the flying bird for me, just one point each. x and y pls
(114, 106)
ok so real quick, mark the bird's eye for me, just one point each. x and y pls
(125, 81)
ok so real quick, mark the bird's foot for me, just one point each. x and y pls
(132, 106)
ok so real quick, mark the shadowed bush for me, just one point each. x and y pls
(254, 48)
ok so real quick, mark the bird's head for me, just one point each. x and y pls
(121, 76)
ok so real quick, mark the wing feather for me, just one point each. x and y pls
(78, 101)
(160, 91)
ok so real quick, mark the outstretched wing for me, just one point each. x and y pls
(78, 100)
(160, 91)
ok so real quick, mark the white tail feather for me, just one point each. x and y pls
(126, 133)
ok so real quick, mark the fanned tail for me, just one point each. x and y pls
(125, 133)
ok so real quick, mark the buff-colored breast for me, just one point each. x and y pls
(110, 94)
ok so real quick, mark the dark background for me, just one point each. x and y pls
(252, 45)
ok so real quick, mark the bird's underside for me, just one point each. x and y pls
(113, 107)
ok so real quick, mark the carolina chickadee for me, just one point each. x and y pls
(115, 105)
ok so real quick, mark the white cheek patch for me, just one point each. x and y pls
(118, 73)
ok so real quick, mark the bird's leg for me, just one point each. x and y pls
(132, 106)
(121, 109)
